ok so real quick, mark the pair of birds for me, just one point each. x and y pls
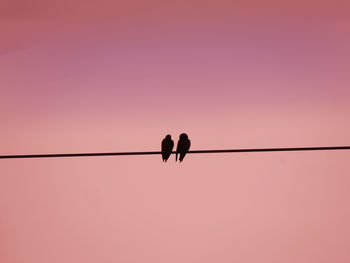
(183, 145)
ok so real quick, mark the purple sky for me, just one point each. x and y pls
(77, 77)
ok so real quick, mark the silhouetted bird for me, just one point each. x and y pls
(183, 145)
(167, 147)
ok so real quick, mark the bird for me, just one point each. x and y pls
(183, 145)
(167, 147)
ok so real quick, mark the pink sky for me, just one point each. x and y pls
(78, 76)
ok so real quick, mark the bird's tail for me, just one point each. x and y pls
(176, 157)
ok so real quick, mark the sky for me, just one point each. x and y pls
(107, 76)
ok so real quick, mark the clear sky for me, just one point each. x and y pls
(82, 76)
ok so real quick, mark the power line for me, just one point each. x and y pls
(60, 155)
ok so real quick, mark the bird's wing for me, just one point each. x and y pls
(188, 145)
(163, 145)
(179, 146)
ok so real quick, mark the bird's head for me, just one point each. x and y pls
(183, 136)
(168, 137)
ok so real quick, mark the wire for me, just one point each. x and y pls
(59, 155)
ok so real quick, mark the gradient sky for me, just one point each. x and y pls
(81, 76)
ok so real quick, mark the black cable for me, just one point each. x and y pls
(56, 155)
